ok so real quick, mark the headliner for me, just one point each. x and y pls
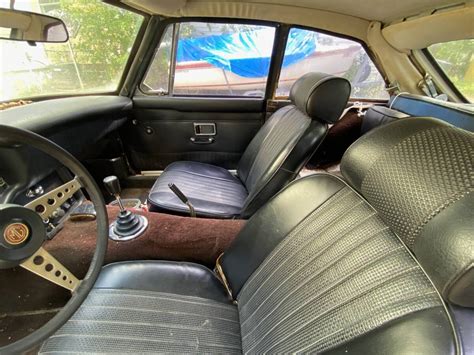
(385, 11)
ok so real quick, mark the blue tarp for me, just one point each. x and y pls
(245, 53)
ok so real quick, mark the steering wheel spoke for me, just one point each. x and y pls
(47, 203)
(23, 230)
(48, 267)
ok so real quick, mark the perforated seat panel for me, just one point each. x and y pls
(132, 321)
(340, 274)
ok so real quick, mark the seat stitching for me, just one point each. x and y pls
(173, 297)
(158, 311)
(349, 300)
(359, 321)
(231, 180)
(303, 245)
(302, 224)
(168, 325)
(329, 288)
(141, 339)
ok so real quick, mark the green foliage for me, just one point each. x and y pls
(157, 77)
(103, 33)
(456, 59)
(101, 37)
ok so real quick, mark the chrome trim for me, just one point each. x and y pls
(211, 124)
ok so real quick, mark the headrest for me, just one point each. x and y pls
(418, 173)
(321, 96)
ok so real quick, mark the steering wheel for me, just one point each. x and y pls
(22, 234)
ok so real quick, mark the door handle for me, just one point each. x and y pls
(202, 140)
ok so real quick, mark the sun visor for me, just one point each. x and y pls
(441, 26)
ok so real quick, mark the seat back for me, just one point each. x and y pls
(363, 266)
(288, 139)
(379, 115)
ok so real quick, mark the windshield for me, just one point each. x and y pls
(100, 40)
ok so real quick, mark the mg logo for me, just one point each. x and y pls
(16, 233)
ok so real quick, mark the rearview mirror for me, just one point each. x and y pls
(31, 27)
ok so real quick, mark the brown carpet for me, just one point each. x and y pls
(167, 238)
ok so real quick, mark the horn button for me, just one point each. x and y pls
(22, 232)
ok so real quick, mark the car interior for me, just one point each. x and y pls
(189, 176)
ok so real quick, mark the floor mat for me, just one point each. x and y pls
(16, 326)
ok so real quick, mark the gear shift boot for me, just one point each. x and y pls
(128, 225)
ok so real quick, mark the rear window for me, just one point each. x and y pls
(212, 59)
(309, 51)
(456, 59)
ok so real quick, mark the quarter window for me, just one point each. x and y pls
(157, 78)
(309, 51)
(212, 59)
(456, 59)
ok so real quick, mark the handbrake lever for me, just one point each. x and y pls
(183, 198)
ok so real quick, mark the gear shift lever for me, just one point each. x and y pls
(128, 225)
(112, 185)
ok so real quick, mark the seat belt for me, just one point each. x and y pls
(221, 276)
(360, 106)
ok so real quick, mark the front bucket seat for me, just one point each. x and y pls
(361, 265)
(273, 158)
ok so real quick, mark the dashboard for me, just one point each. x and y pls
(77, 124)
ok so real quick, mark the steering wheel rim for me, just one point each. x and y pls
(9, 134)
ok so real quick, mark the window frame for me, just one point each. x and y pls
(172, 22)
(444, 77)
(282, 31)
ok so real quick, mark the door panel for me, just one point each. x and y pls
(162, 130)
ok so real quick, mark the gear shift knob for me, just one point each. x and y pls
(112, 185)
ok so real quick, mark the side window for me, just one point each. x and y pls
(308, 51)
(212, 59)
(158, 75)
(456, 59)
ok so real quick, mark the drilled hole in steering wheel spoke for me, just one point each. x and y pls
(45, 265)
(38, 260)
(47, 203)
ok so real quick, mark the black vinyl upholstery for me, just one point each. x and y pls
(273, 158)
(181, 278)
(379, 115)
(322, 267)
(438, 227)
(212, 190)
